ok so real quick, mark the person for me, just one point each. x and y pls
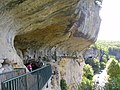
(29, 66)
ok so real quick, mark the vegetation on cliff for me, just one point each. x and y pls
(63, 84)
(113, 70)
(107, 57)
(86, 82)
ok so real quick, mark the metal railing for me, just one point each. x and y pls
(11, 74)
(34, 80)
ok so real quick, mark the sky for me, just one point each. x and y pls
(110, 24)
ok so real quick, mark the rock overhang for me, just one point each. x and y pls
(70, 25)
(56, 22)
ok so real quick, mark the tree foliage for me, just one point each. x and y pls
(94, 63)
(113, 68)
(88, 71)
(63, 84)
(104, 59)
(106, 50)
(113, 84)
(85, 84)
(102, 65)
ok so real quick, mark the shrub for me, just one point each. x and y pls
(63, 84)
(85, 84)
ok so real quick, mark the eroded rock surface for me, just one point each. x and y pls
(71, 25)
(33, 28)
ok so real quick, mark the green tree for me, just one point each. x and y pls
(102, 65)
(85, 84)
(88, 71)
(104, 58)
(113, 84)
(105, 49)
(113, 68)
(96, 65)
(63, 84)
(111, 56)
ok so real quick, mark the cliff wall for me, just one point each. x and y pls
(33, 28)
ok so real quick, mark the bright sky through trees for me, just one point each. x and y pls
(110, 25)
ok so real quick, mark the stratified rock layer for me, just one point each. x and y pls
(33, 28)
(71, 25)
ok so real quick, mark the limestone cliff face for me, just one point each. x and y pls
(68, 25)
(71, 70)
(46, 27)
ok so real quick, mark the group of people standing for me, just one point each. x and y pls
(34, 65)
(29, 67)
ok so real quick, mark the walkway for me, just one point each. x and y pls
(34, 80)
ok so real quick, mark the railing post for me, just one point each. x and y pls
(21, 82)
(26, 82)
(38, 80)
(3, 86)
